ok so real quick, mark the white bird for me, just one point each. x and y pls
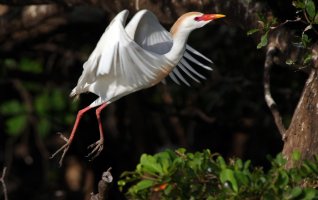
(134, 57)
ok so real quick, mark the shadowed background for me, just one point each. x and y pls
(43, 47)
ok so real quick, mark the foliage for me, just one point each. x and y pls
(306, 13)
(36, 100)
(265, 25)
(202, 175)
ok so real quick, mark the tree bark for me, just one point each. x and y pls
(302, 133)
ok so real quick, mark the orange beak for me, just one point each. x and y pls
(209, 17)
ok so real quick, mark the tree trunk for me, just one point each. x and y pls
(302, 134)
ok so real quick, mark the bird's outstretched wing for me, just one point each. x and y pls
(145, 29)
(120, 64)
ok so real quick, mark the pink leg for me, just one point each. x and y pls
(99, 145)
(69, 141)
(98, 110)
(78, 118)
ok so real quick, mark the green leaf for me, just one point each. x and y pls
(241, 177)
(252, 31)
(308, 58)
(264, 41)
(164, 160)
(280, 160)
(296, 155)
(228, 175)
(149, 164)
(312, 166)
(282, 179)
(168, 189)
(221, 162)
(306, 168)
(299, 4)
(305, 40)
(238, 164)
(12, 107)
(310, 194)
(247, 165)
(316, 19)
(290, 62)
(16, 124)
(296, 192)
(144, 184)
(310, 9)
(29, 65)
(121, 184)
(181, 151)
(196, 162)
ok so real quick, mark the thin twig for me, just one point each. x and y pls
(307, 19)
(5, 192)
(268, 96)
(298, 19)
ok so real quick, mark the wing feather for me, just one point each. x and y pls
(181, 66)
(145, 29)
(188, 66)
(192, 59)
(174, 78)
(129, 58)
(178, 74)
(192, 50)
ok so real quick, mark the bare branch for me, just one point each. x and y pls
(5, 192)
(103, 186)
(268, 96)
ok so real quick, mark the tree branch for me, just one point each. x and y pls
(267, 93)
(103, 186)
(5, 192)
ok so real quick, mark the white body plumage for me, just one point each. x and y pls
(138, 56)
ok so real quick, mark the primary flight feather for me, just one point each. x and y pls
(134, 57)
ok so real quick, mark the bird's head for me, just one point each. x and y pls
(193, 20)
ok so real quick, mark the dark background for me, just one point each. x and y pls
(226, 113)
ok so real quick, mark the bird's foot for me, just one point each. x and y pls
(64, 148)
(97, 148)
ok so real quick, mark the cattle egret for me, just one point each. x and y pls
(134, 57)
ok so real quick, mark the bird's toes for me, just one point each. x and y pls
(92, 145)
(62, 136)
(64, 148)
(62, 157)
(95, 155)
(98, 147)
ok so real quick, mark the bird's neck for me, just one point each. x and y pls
(179, 38)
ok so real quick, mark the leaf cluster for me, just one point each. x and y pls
(37, 101)
(202, 175)
(306, 12)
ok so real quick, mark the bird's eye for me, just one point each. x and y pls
(197, 19)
